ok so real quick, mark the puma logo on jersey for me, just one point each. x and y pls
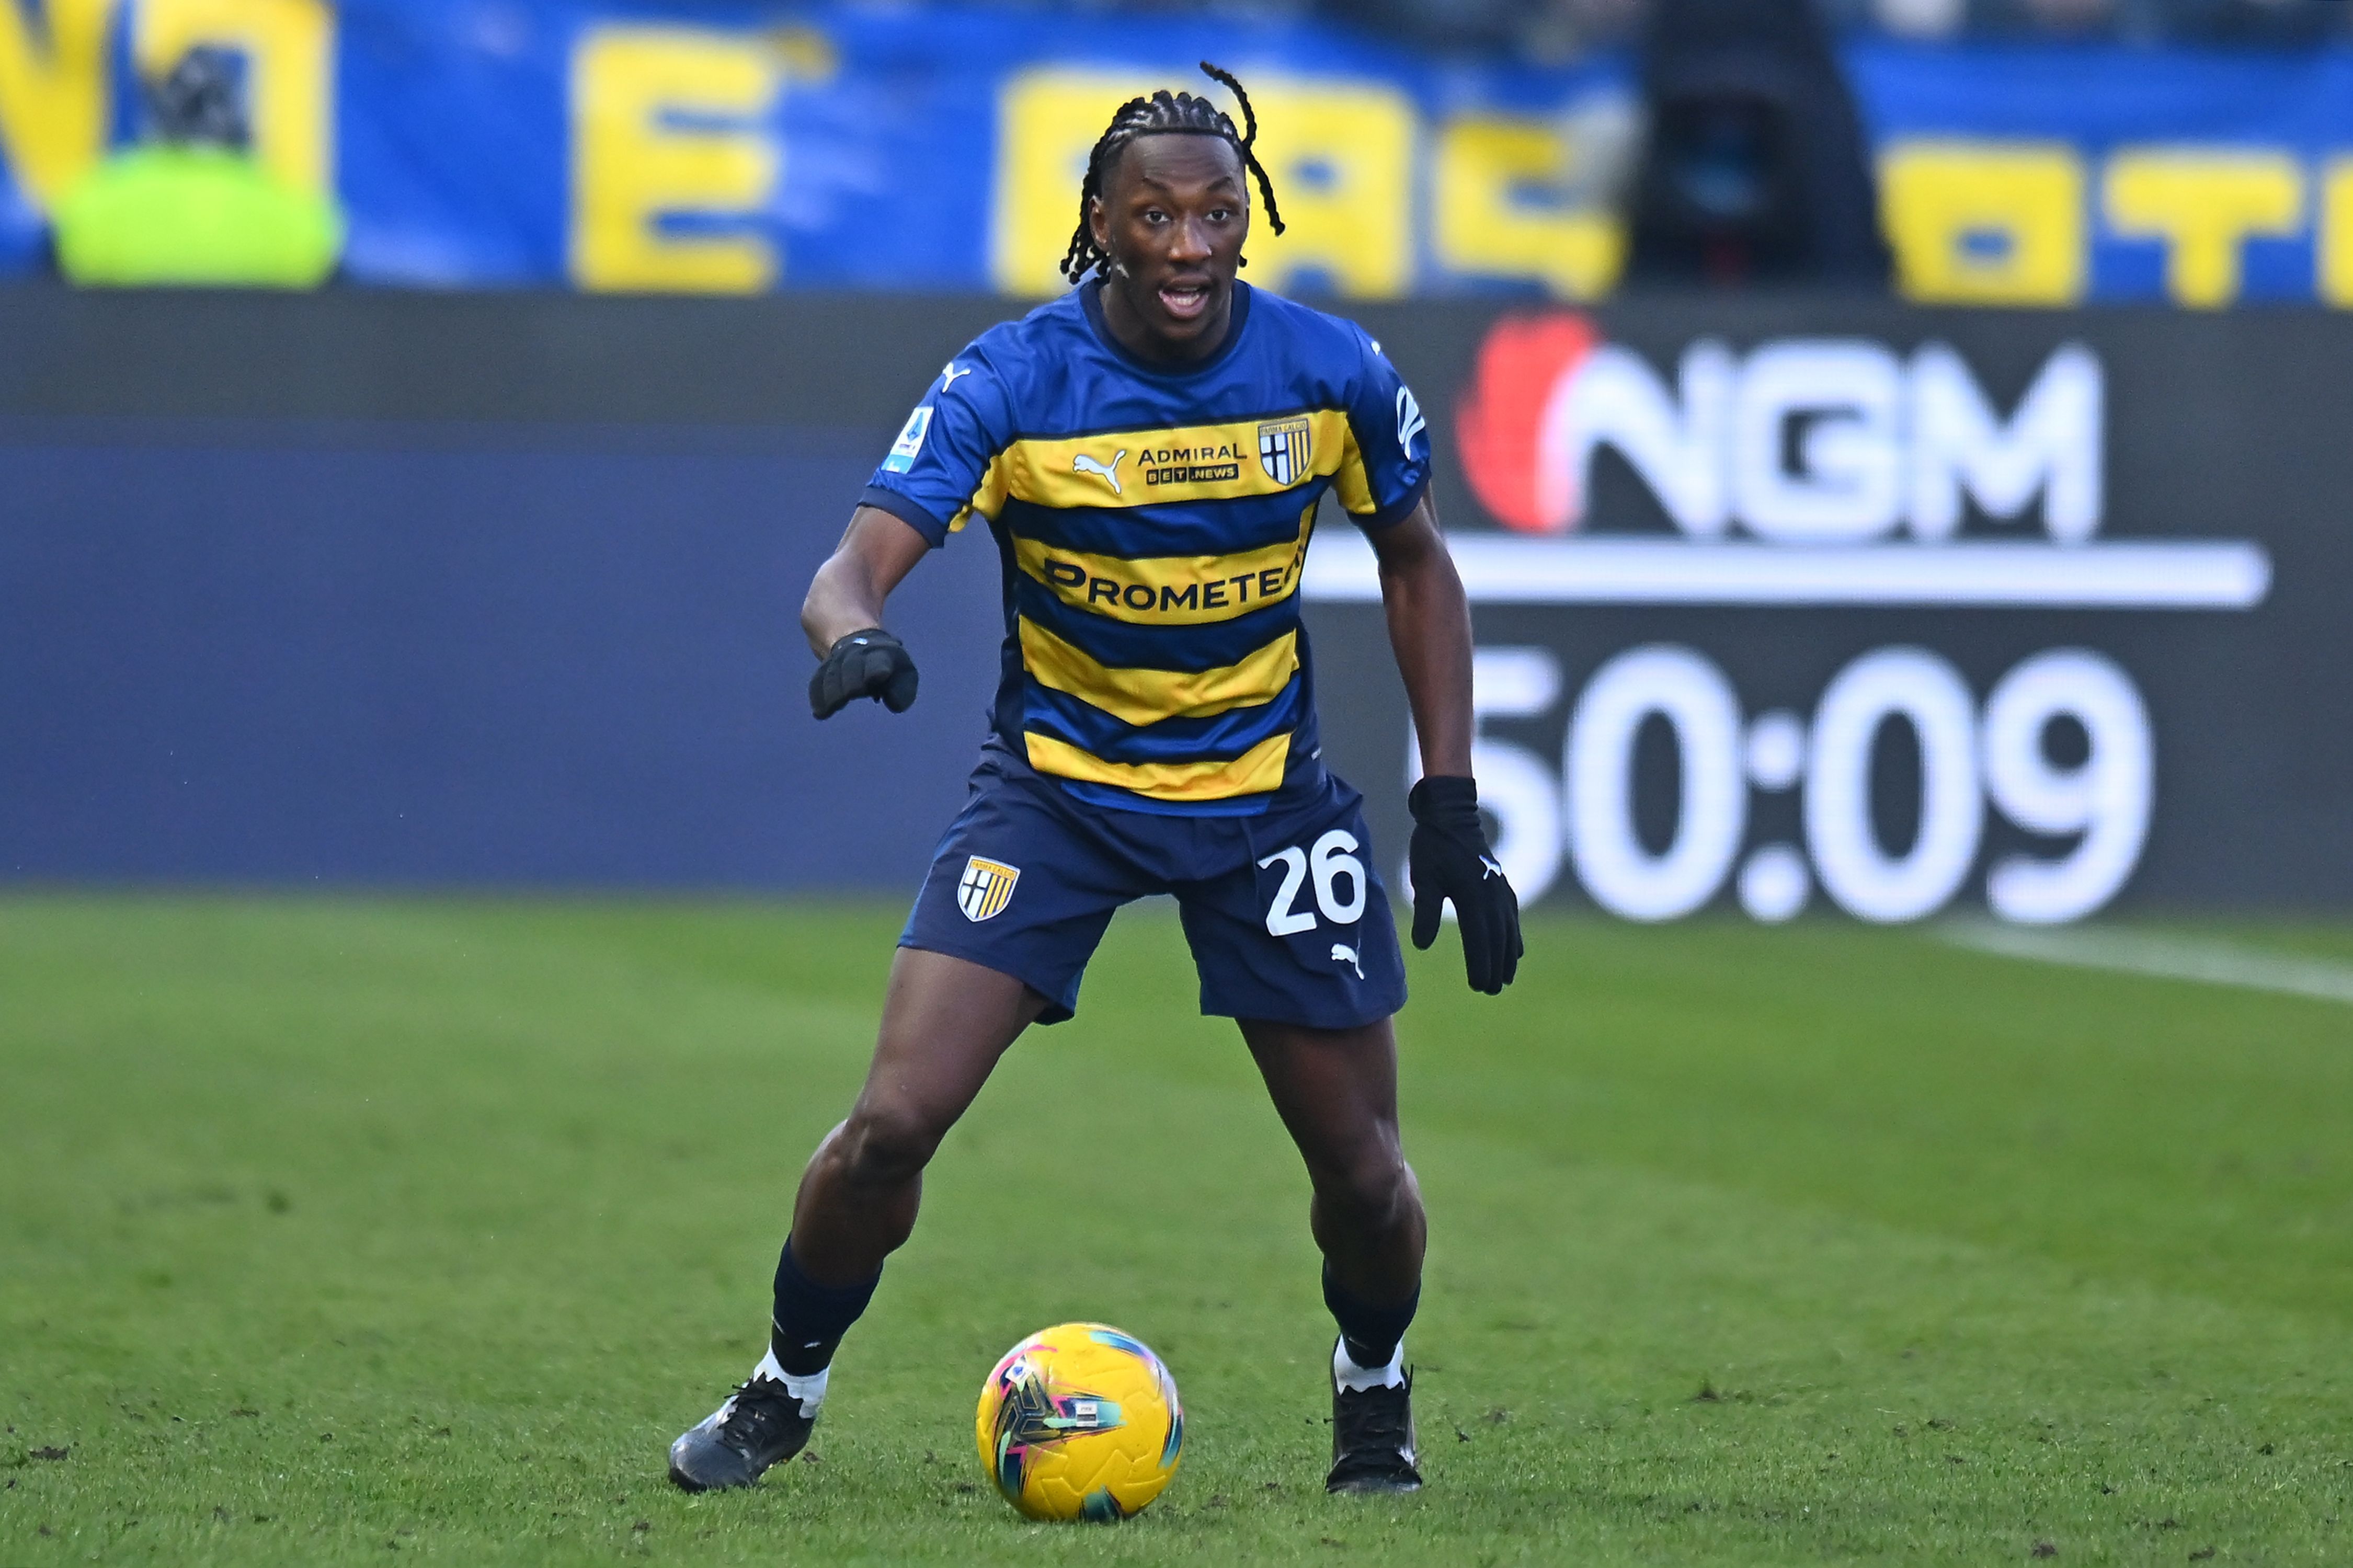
(948, 376)
(1342, 954)
(1082, 464)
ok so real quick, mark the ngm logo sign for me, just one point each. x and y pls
(1802, 441)
(1811, 473)
(1855, 450)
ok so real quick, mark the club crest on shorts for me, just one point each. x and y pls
(984, 887)
(1283, 447)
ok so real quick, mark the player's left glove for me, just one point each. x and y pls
(1449, 860)
(872, 663)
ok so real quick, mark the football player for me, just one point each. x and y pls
(1149, 451)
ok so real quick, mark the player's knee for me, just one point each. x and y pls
(1374, 1189)
(887, 1144)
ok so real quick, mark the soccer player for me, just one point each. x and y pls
(1149, 451)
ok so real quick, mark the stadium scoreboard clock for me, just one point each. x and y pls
(2096, 790)
(1817, 617)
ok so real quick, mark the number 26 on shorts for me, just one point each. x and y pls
(1328, 864)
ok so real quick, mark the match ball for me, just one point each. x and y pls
(1079, 1421)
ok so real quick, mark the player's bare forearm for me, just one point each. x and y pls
(876, 552)
(1429, 630)
(1449, 858)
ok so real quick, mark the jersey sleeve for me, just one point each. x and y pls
(943, 467)
(1386, 469)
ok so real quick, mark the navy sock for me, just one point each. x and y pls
(1369, 1334)
(810, 1318)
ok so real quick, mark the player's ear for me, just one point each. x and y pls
(1099, 224)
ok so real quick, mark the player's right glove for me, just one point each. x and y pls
(872, 663)
(1449, 860)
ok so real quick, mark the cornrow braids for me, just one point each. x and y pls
(1163, 115)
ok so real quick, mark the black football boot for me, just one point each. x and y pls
(761, 1425)
(1372, 1440)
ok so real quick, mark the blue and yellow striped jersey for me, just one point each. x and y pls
(1152, 520)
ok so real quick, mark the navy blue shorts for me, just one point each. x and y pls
(1286, 917)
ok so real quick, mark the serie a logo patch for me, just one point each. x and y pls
(910, 441)
(984, 887)
(1283, 447)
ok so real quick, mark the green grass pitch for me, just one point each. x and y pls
(342, 1232)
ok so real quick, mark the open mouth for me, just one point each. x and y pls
(1184, 301)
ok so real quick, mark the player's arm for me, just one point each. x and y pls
(1429, 630)
(933, 480)
(842, 615)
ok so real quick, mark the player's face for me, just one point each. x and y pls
(1172, 215)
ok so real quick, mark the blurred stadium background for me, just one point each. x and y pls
(1946, 394)
(1896, 450)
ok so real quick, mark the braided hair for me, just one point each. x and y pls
(1163, 115)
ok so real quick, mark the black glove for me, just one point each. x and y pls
(1449, 860)
(872, 663)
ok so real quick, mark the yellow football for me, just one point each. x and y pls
(1079, 1421)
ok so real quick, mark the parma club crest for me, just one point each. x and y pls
(1283, 449)
(984, 888)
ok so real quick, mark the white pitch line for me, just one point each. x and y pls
(2163, 957)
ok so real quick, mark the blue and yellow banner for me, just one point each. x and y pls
(712, 146)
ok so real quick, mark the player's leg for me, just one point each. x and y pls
(1018, 896)
(1293, 937)
(1335, 1090)
(946, 1022)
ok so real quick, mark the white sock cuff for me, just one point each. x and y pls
(809, 1390)
(1355, 1379)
